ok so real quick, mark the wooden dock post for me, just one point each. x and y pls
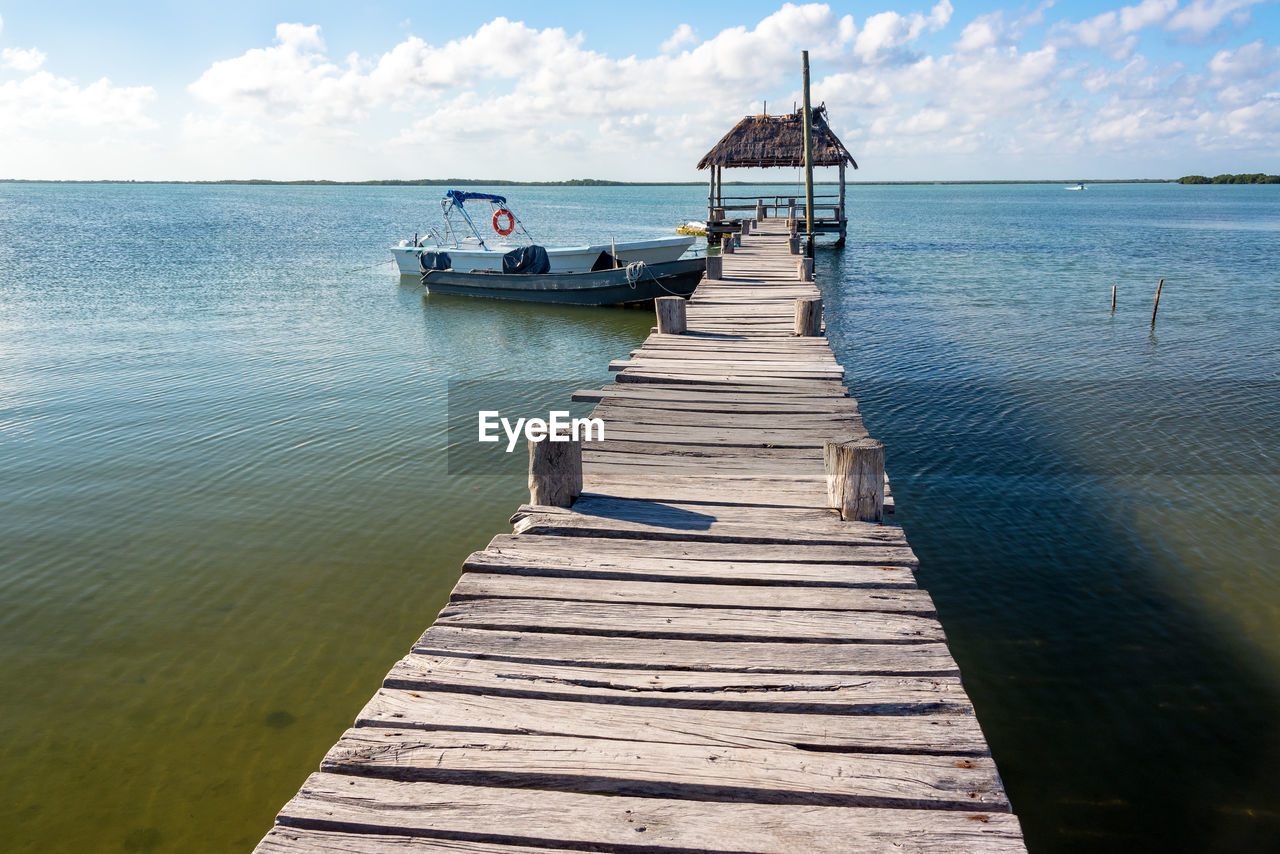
(855, 479)
(809, 316)
(1156, 307)
(715, 267)
(760, 214)
(804, 269)
(793, 243)
(1113, 299)
(672, 314)
(555, 472)
(727, 245)
(746, 227)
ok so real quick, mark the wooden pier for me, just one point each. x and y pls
(697, 655)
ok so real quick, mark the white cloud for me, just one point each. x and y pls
(511, 100)
(1201, 17)
(42, 100)
(885, 33)
(1257, 122)
(982, 32)
(1249, 61)
(683, 35)
(291, 81)
(1112, 31)
(22, 60)
(509, 82)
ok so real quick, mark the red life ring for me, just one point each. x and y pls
(511, 222)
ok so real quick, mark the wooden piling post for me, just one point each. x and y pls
(855, 479)
(1156, 307)
(804, 269)
(555, 472)
(1113, 299)
(793, 227)
(793, 243)
(760, 214)
(717, 214)
(808, 316)
(727, 245)
(746, 227)
(671, 315)
(715, 267)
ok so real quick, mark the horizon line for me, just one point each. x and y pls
(573, 182)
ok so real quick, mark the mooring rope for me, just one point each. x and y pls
(636, 272)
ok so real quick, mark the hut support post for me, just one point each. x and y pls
(711, 195)
(844, 220)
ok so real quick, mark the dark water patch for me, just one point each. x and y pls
(143, 839)
(1089, 512)
(279, 719)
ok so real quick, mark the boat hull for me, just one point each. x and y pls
(564, 259)
(603, 287)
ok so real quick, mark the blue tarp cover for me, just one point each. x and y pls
(460, 196)
(429, 261)
(527, 259)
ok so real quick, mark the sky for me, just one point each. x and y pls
(637, 91)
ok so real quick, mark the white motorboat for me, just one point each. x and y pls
(468, 250)
(1076, 187)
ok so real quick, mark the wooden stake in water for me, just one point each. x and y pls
(613, 250)
(1113, 299)
(1156, 307)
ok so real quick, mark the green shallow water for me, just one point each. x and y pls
(226, 506)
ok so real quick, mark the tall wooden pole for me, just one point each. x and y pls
(808, 151)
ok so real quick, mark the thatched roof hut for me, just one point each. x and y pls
(763, 142)
(768, 141)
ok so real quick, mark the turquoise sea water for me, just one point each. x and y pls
(225, 508)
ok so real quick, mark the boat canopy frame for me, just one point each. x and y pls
(454, 201)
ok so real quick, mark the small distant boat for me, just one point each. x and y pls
(692, 227)
(629, 283)
(469, 250)
(1076, 187)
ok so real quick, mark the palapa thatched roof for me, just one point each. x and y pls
(765, 141)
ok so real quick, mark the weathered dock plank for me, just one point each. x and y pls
(585, 822)
(697, 655)
(789, 725)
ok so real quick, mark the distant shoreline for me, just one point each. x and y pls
(589, 182)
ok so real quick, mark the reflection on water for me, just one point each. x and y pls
(1094, 507)
(225, 505)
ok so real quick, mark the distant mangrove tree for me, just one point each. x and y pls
(1255, 178)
